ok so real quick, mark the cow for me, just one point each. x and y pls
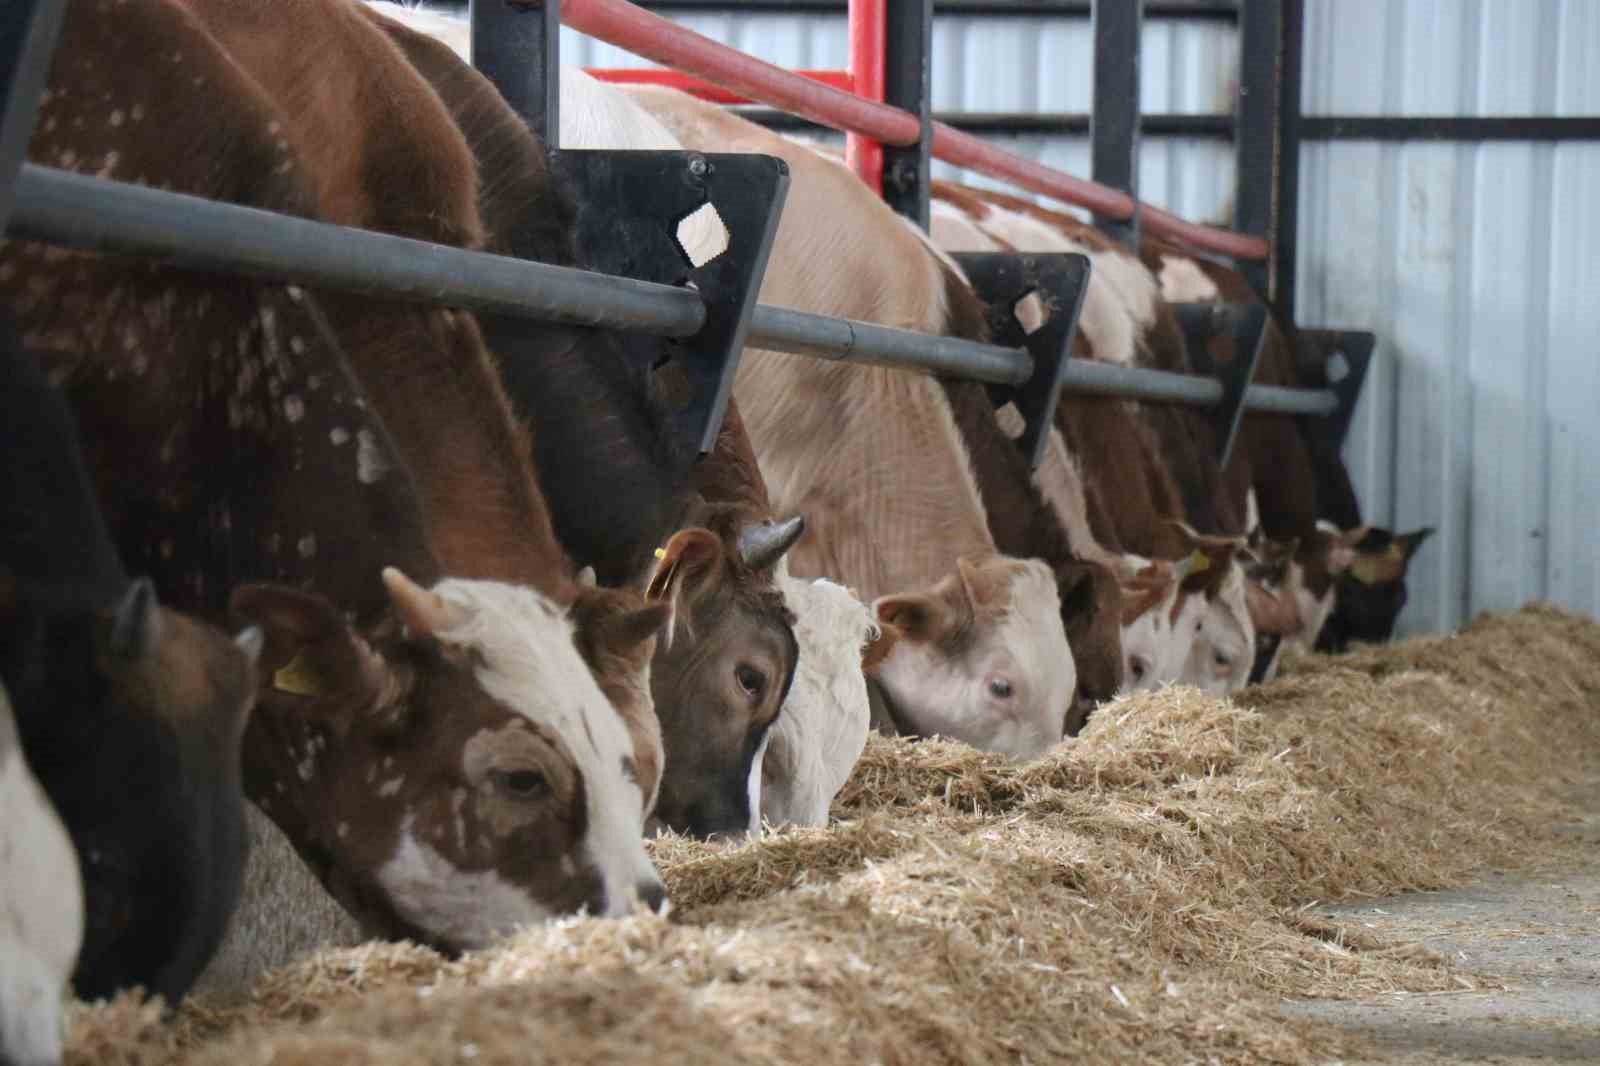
(110, 686)
(729, 662)
(347, 474)
(43, 925)
(1348, 577)
(1119, 458)
(875, 461)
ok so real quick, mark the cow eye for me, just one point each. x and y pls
(524, 784)
(1000, 688)
(1138, 668)
(753, 681)
(1221, 659)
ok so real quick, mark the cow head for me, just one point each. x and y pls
(1274, 583)
(1223, 651)
(981, 657)
(1091, 609)
(44, 902)
(455, 771)
(132, 716)
(1370, 590)
(721, 672)
(1156, 637)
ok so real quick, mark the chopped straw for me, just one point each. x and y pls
(1143, 894)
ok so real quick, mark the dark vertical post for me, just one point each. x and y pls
(1114, 122)
(908, 84)
(28, 32)
(517, 45)
(1286, 232)
(1256, 130)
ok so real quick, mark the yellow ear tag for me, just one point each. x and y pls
(661, 553)
(1201, 561)
(297, 678)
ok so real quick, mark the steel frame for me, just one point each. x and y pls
(516, 42)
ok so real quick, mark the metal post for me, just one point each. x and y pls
(516, 44)
(1114, 123)
(28, 33)
(1285, 244)
(1256, 129)
(908, 84)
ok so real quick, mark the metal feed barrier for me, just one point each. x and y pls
(630, 204)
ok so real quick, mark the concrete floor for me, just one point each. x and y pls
(1537, 933)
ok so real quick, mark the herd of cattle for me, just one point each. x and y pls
(388, 504)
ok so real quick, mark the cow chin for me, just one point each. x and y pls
(433, 900)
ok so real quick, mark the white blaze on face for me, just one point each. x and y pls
(41, 909)
(823, 726)
(1224, 647)
(1155, 647)
(1314, 610)
(753, 784)
(529, 663)
(1027, 648)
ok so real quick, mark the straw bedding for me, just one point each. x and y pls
(1142, 894)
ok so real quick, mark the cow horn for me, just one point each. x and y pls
(426, 612)
(761, 546)
(137, 625)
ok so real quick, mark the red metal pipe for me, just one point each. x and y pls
(653, 37)
(868, 36)
(705, 90)
(649, 35)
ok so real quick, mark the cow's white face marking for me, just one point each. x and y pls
(1155, 647)
(1026, 652)
(41, 909)
(1224, 645)
(527, 661)
(753, 785)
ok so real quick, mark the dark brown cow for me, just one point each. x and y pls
(427, 748)
(130, 716)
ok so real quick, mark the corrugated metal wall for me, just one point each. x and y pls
(1023, 64)
(1474, 264)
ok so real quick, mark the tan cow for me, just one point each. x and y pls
(874, 460)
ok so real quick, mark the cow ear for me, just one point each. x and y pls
(879, 647)
(916, 616)
(1410, 542)
(311, 657)
(981, 584)
(690, 563)
(622, 633)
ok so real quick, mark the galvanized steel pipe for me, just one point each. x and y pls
(189, 231)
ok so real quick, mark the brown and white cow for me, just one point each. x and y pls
(1140, 482)
(1351, 578)
(442, 756)
(874, 460)
(729, 665)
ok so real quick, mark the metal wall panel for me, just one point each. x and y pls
(1474, 264)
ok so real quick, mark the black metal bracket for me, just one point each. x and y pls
(516, 44)
(1247, 326)
(1001, 280)
(1336, 359)
(629, 206)
(28, 33)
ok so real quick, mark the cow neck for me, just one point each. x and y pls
(431, 382)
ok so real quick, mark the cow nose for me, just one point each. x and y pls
(652, 893)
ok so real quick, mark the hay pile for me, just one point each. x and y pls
(1141, 895)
